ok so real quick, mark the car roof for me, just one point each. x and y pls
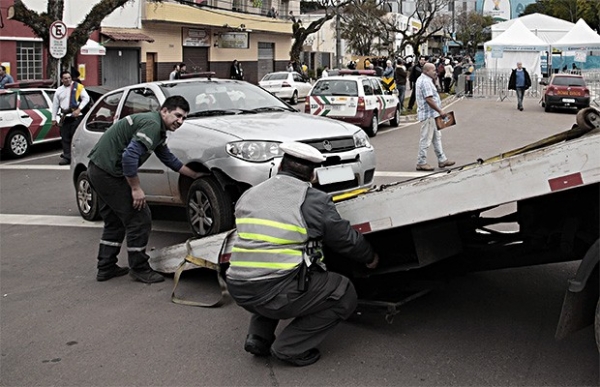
(171, 82)
(5, 91)
(348, 77)
(567, 75)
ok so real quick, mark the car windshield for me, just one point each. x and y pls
(208, 98)
(275, 77)
(335, 87)
(568, 81)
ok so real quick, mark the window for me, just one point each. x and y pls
(376, 86)
(29, 61)
(33, 100)
(367, 87)
(103, 114)
(140, 101)
(8, 101)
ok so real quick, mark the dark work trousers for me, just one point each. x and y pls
(447, 85)
(120, 218)
(67, 130)
(329, 299)
(413, 96)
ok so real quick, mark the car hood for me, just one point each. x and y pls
(276, 126)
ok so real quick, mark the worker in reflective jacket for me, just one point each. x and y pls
(276, 267)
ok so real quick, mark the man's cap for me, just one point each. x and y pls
(302, 151)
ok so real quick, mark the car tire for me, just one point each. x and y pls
(294, 99)
(17, 143)
(396, 119)
(209, 208)
(87, 198)
(547, 107)
(374, 125)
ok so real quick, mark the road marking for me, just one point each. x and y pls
(400, 174)
(76, 221)
(34, 167)
(32, 159)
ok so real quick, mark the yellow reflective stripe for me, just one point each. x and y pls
(264, 265)
(267, 251)
(271, 223)
(267, 238)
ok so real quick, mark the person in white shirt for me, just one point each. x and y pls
(69, 99)
(324, 73)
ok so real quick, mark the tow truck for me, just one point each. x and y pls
(551, 188)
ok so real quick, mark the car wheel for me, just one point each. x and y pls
(374, 126)
(87, 198)
(396, 119)
(18, 144)
(294, 99)
(209, 208)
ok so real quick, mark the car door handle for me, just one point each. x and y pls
(25, 116)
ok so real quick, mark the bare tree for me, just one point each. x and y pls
(359, 25)
(40, 24)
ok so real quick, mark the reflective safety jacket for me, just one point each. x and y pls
(272, 233)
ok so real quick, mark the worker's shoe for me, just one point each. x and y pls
(304, 359)
(64, 162)
(446, 163)
(424, 167)
(148, 276)
(115, 271)
(257, 345)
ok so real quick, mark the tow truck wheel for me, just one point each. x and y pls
(374, 126)
(87, 199)
(597, 326)
(396, 119)
(209, 208)
(588, 118)
(18, 145)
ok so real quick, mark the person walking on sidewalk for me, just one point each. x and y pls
(519, 81)
(112, 171)
(429, 106)
(415, 73)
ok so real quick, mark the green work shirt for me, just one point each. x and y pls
(146, 128)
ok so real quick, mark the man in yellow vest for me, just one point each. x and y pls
(277, 268)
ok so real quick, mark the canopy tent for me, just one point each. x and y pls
(581, 37)
(545, 27)
(516, 44)
(92, 48)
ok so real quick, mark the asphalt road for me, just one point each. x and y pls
(59, 327)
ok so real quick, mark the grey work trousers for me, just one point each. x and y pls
(120, 219)
(329, 299)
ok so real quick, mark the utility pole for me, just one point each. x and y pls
(338, 38)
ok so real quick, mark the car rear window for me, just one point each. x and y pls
(275, 77)
(335, 87)
(568, 81)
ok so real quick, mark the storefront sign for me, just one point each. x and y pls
(234, 40)
(193, 37)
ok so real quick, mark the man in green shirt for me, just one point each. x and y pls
(114, 162)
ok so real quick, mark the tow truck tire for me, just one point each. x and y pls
(87, 199)
(587, 117)
(597, 325)
(17, 144)
(374, 125)
(396, 118)
(209, 208)
(294, 99)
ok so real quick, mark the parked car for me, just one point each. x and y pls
(354, 96)
(566, 91)
(232, 133)
(25, 120)
(286, 85)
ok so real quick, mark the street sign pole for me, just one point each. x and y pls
(58, 42)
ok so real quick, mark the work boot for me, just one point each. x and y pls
(148, 276)
(115, 271)
(304, 359)
(257, 345)
(64, 162)
(424, 167)
(446, 163)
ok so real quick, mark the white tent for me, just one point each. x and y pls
(581, 37)
(517, 44)
(545, 27)
(92, 47)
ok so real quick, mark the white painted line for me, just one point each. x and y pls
(38, 167)
(32, 158)
(401, 174)
(76, 221)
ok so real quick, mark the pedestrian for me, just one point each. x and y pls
(240, 71)
(456, 72)
(387, 77)
(277, 268)
(112, 171)
(429, 106)
(234, 70)
(448, 72)
(182, 70)
(519, 81)
(415, 73)
(324, 73)
(470, 77)
(4, 77)
(441, 73)
(292, 17)
(69, 100)
(400, 78)
(175, 73)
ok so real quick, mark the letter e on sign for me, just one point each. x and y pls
(58, 39)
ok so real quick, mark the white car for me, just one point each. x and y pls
(354, 96)
(286, 85)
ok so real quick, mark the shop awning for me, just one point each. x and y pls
(127, 36)
(92, 48)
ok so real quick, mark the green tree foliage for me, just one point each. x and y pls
(471, 29)
(570, 10)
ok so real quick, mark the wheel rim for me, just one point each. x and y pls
(201, 213)
(18, 144)
(84, 196)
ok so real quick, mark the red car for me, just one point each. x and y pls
(566, 91)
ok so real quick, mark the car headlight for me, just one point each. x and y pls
(361, 140)
(254, 151)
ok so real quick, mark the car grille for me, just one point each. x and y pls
(337, 144)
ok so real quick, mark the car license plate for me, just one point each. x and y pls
(568, 100)
(335, 174)
(334, 108)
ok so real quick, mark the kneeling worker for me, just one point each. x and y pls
(276, 268)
